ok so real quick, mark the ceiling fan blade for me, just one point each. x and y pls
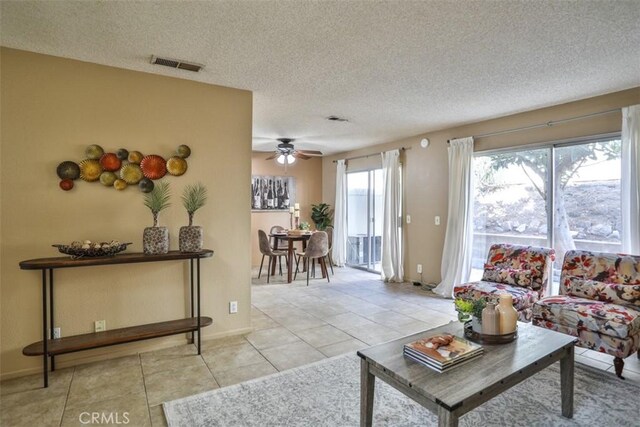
(273, 156)
(310, 152)
(299, 155)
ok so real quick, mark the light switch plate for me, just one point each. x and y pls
(408, 219)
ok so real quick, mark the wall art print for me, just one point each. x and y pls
(269, 193)
(123, 168)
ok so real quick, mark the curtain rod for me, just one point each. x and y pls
(542, 125)
(371, 155)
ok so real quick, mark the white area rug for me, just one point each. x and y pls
(327, 393)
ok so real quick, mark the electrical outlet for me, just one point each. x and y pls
(437, 220)
(408, 219)
(419, 268)
(57, 333)
(100, 325)
(233, 307)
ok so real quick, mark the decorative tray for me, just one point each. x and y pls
(488, 339)
(105, 250)
(298, 232)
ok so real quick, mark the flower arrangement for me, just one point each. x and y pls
(304, 226)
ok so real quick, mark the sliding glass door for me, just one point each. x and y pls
(565, 196)
(364, 219)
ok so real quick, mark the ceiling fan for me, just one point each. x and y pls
(286, 153)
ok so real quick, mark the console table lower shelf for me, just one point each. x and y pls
(116, 336)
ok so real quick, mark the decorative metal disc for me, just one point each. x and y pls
(68, 170)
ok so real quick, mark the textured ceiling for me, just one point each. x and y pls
(393, 68)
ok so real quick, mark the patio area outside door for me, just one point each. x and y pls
(364, 219)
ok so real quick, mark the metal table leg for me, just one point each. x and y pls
(45, 338)
(191, 298)
(51, 320)
(198, 296)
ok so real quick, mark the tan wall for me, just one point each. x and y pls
(308, 175)
(426, 170)
(52, 108)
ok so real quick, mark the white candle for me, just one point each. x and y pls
(291, 209)
(297, 206)
(296, 214)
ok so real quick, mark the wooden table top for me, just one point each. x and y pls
(462, 382)
(120, 258)
(291, 236)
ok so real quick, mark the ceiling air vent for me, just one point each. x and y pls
(337, 119)
(176, 63)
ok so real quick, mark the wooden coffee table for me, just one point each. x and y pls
(454, 393)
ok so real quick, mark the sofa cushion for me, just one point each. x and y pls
(615, 320)
(531, 259)
(601, 267)
(617, 347)
(600, 291)
(522, 297)
(509, 276)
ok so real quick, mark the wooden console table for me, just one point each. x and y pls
(52, 347)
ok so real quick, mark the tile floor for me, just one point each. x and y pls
(293, 325)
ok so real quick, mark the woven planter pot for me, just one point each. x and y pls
(155, 240)
(191, 238)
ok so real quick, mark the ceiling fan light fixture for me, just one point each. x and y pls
(289, 159)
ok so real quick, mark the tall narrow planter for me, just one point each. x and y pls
(155, 240)
(191, 238)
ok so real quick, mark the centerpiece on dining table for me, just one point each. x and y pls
(303, 229)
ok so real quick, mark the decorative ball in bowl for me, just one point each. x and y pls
(88, 248)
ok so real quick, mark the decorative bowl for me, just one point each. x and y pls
(153, 166)
(77, 252)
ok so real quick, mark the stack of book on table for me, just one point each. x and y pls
(442, 352)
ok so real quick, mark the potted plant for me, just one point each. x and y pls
(321, 215)
(191, 236)
(471, 311)
(155, 240)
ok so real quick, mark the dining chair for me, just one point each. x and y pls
(279, 244)
(317, 248)
(267, 250)
(329, 231)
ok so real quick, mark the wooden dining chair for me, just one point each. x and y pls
(267, 250)
(317, 248)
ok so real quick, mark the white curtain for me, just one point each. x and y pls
(630, 184)
(339, 251)
(456, 255)
(391, 214)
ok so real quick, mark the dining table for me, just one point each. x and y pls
(290, 238)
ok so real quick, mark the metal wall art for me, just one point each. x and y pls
(122, 168)
(272, 193)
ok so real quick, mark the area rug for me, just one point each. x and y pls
(327, 393)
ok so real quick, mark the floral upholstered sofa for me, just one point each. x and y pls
(522, 271)
(599, 303)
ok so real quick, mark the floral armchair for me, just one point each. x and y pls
(599, 303)
(522, 271)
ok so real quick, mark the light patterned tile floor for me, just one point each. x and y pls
(294, 324)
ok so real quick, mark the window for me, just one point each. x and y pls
(364, 219)
(565, 196)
